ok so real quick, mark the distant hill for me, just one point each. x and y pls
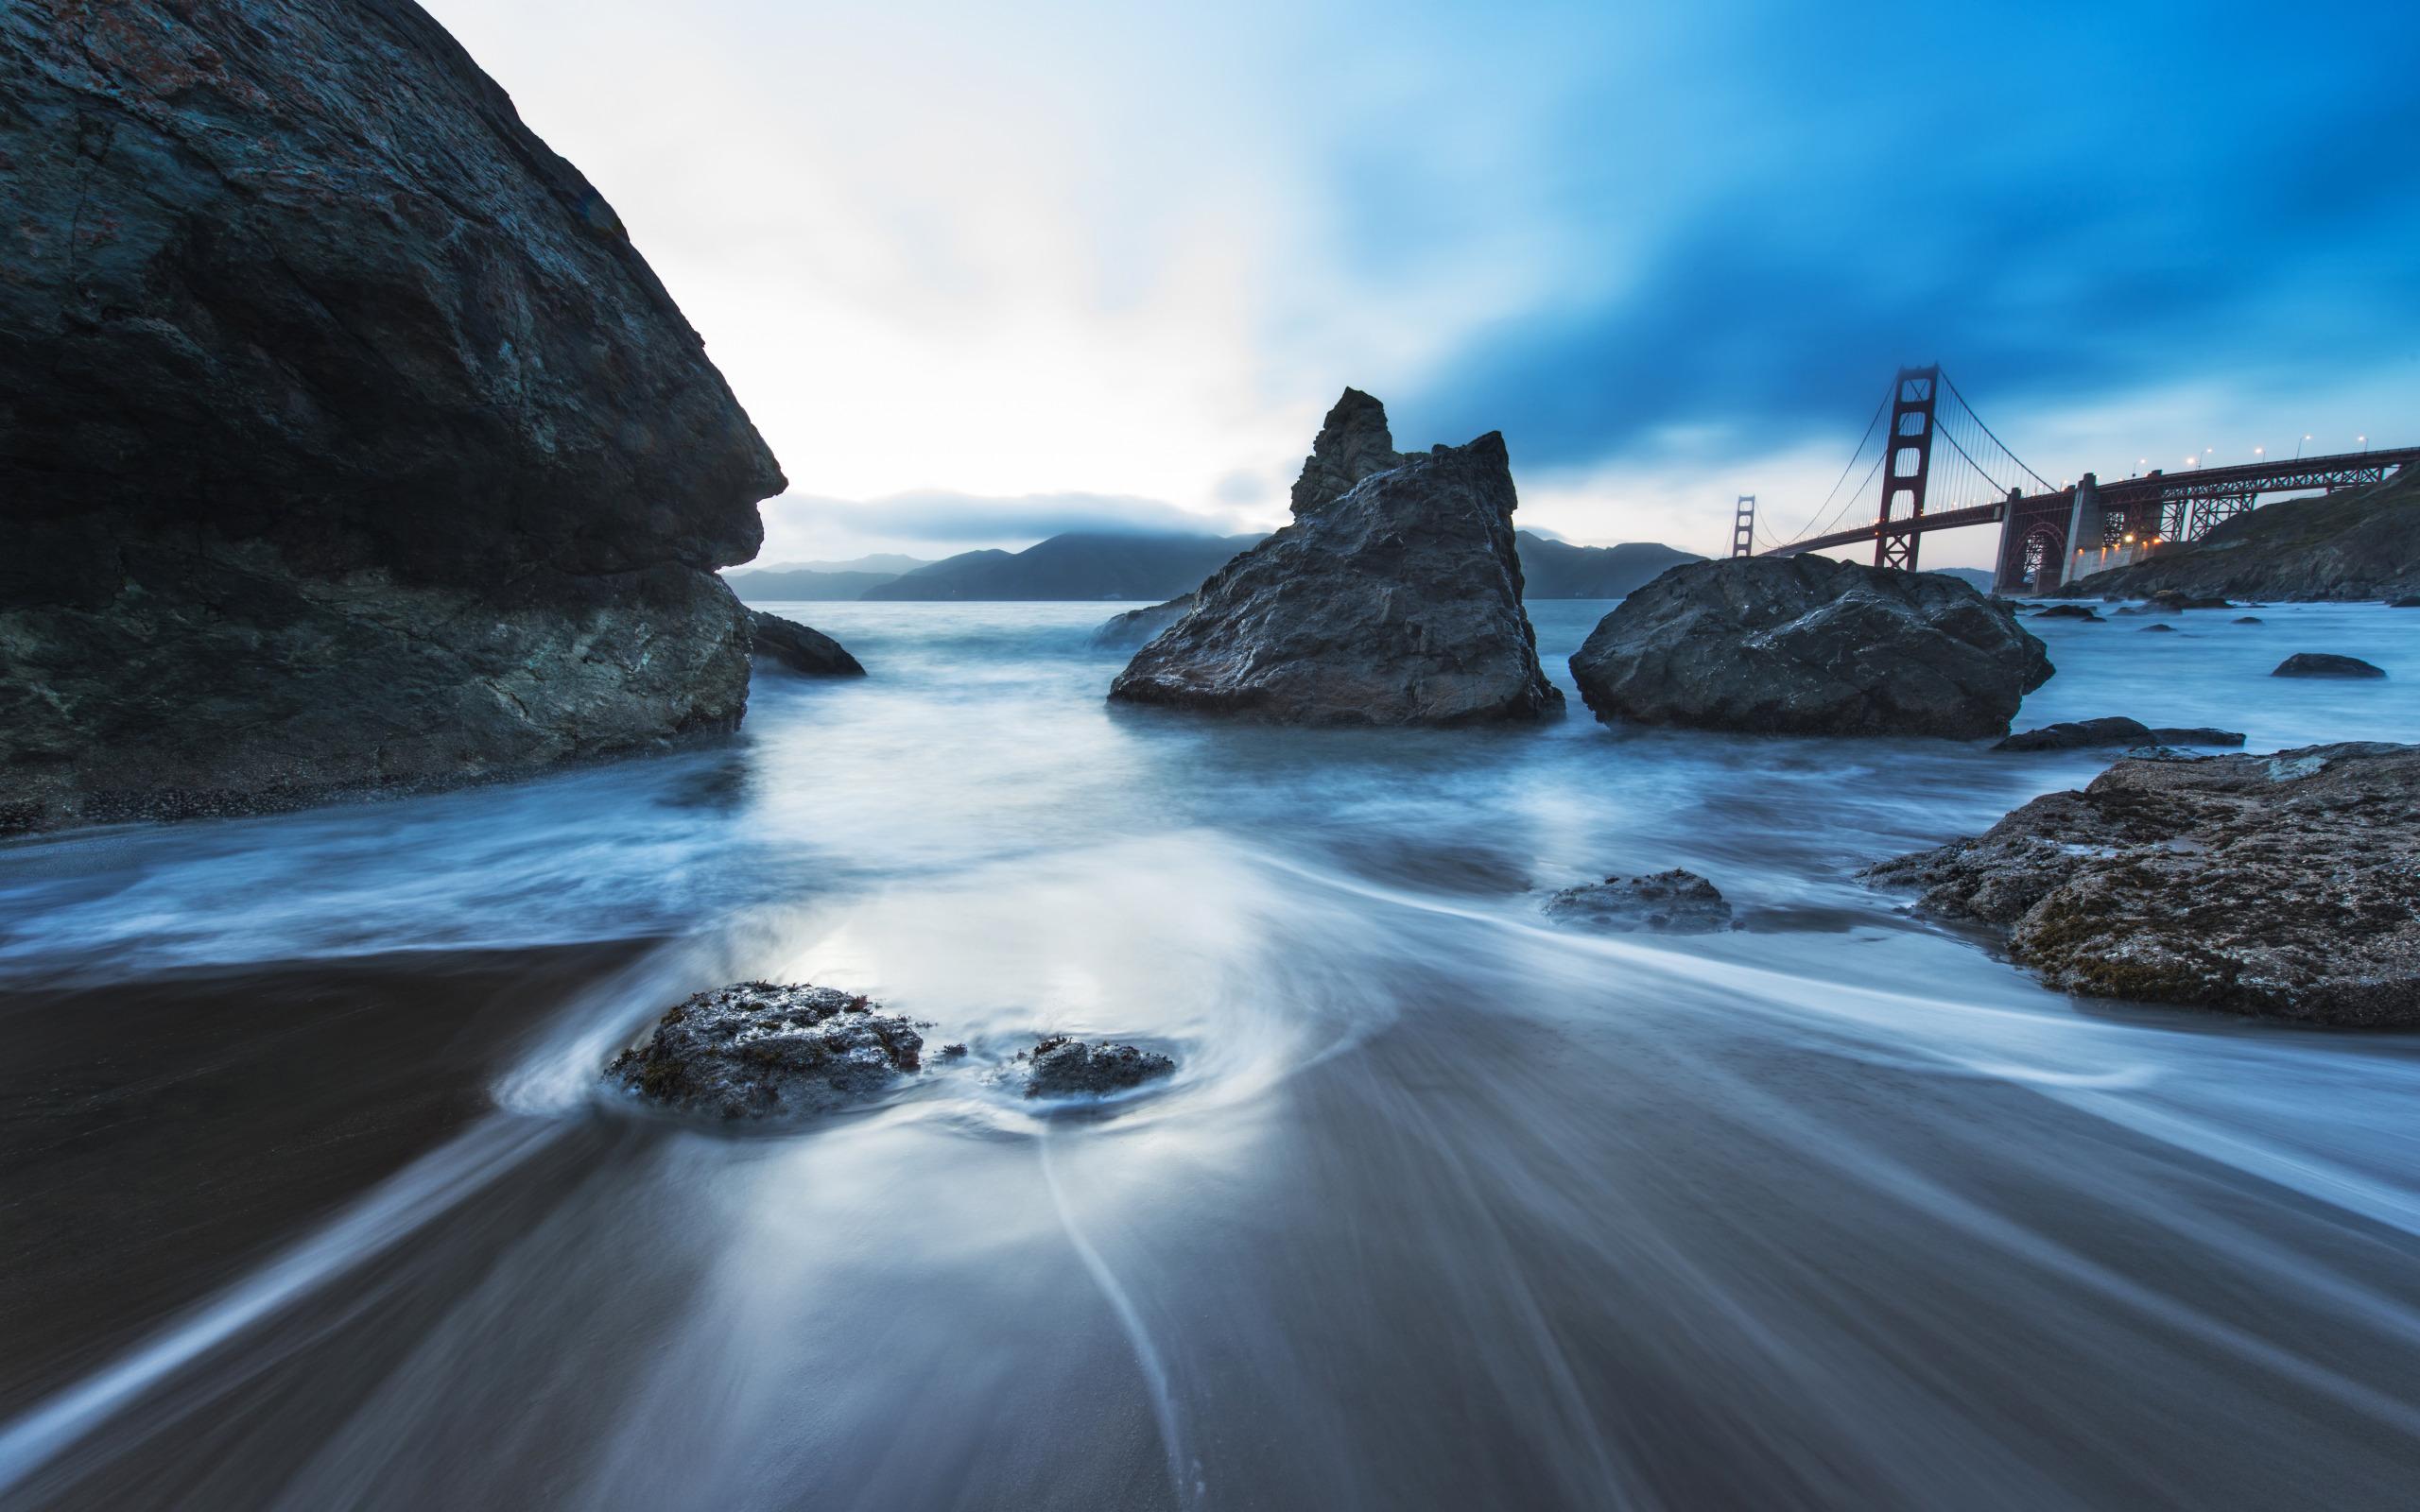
(1151, 568)
(1557, 569)
(1973, 577)
(2354, 543)
(1079, 564)
(794, 585)
(887, 563)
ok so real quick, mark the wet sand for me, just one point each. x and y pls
(161, 1136)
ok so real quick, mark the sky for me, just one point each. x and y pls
(980, 272)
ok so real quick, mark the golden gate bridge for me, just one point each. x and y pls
(1943, 469)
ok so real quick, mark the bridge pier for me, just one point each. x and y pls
(2087, 509)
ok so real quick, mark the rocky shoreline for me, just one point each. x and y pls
(2281, 885)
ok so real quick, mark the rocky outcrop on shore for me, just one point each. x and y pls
(1669, 902)
(759, 1051)
(1809, 646)
(349, 442)
(1394, 597)
(796, 647)
(2356, 543)
(2281, 885)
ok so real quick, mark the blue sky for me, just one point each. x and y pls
(1016, 265)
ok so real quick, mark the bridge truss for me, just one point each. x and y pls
(1948, 470)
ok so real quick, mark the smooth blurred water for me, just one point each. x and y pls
(1445, 1207)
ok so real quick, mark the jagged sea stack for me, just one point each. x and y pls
(349, 439)
(1806, 646)
(1394, 597)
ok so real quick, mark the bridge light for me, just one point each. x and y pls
(2260, 451)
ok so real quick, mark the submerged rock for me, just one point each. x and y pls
(1670, 903)
(1138, 627)
(2068, 611)
(1809, 646)
(2085, 735)
(1061, 1066)
(797, 647)
(2163, 627)
(2274, 884)
(2326, 664)
(349, 441)
(761, 1050)
(2246, 619)
(2176, 598)
(1396, 601)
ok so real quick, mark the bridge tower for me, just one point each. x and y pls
(1743, 526)
(1911, 462)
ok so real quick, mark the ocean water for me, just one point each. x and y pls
(1445, 1207)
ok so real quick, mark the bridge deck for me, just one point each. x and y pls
(2340, 470)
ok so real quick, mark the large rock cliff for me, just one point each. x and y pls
(346, 439)
(1394, 597)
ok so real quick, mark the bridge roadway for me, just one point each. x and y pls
(2146, 502)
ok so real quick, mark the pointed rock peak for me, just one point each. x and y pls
(1353, 444)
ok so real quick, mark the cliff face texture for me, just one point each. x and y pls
(2355, 544)
(344, 437)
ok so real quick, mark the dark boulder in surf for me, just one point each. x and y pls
(762, 1051)
(1394, 597)
(2085, 734)
(2067, 611)
(2326, 664)
(349, 441)
(2280, 885)
(1061, 1066)
(1670, 902)
(796, 647)
(1809, 646)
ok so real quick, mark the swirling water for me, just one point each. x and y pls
(1445, 1207)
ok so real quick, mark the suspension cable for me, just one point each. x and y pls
(1996, 440)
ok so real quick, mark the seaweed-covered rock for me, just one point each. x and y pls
(1396, 601)
(762, 1051)
(2281, 885)
(2326, 664)
(1670, 902)
(797, 647)
(348, 442)
(1809, 646)
(1061, 1066)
